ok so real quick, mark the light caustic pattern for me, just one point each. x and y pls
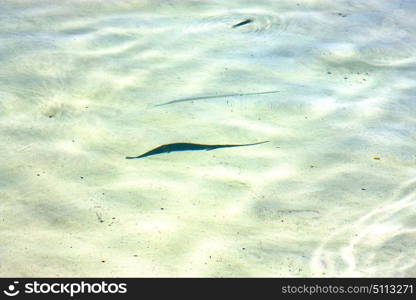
(380, 243)
(79, 81)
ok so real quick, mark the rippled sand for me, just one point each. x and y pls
(331, 194)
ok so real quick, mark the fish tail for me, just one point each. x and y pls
(253, 143)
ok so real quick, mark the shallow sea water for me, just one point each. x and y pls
(332, 194)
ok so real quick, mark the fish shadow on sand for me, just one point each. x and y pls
(215, 96)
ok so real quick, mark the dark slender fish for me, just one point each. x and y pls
(187, 147)
(215, 96)
(243, 23)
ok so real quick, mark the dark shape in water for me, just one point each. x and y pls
(187, 147)
(215, 96)
(243, 23)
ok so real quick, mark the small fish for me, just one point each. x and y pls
(215, 96)
(242, 23)
(187, 147)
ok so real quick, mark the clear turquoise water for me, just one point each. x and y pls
(331, 194)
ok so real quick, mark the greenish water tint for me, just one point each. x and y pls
(331, 194)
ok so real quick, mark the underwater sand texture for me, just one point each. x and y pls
(331, 194)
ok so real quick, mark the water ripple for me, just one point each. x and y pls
(387, 53)
(262, 22)
(378, 243)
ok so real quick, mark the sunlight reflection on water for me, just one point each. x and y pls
(331, 194)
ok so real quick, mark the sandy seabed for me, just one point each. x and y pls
(332, 194)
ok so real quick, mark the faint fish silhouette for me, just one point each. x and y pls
(215, 96)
